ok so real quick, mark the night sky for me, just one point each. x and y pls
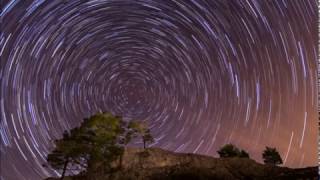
(201, 73)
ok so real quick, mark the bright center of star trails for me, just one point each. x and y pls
(202, 73)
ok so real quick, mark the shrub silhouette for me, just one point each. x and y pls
(271, 156)
(229, 150)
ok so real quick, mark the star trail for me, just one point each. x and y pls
(202, 73)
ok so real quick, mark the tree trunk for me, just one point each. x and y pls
(120, 161)
(64, 168)
(144, 144)
(90, 169)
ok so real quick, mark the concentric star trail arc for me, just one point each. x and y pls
(202, 73)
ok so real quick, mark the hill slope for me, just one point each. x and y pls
(159, 164)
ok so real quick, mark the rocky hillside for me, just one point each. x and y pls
(159, 164)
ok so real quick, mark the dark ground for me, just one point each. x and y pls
(158, 164)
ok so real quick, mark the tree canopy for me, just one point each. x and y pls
(100, 138)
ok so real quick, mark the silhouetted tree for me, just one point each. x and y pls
(141, 129)
(68, 154)
(271, 156)
(229, 150)
(98, 139)
(147, 138)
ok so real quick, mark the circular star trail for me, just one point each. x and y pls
(201, 73)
